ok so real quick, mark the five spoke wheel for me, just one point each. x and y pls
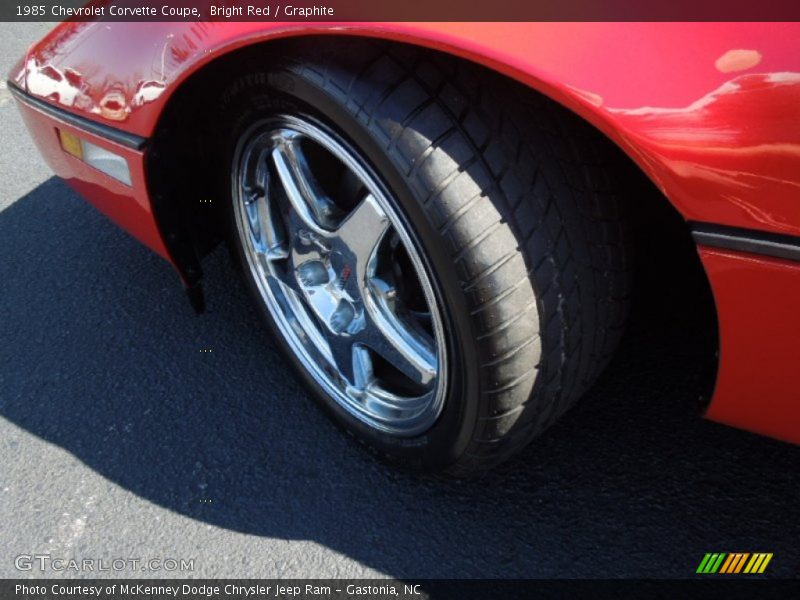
(340, 274)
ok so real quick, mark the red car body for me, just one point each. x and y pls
(708, 111)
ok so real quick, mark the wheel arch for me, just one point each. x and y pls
(583, 104)
(190, 238)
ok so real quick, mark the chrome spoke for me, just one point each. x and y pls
(265, 234)
(305, 325)
(405, 349)
(306, 197)
(361, 233)
(375, 397)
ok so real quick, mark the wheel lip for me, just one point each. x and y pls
(334, 143)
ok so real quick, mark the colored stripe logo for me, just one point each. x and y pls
(734, 562)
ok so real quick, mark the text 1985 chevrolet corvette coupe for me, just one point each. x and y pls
(428, 214)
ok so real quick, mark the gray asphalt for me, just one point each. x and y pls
(119, 438)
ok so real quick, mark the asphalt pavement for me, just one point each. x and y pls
(120, 438)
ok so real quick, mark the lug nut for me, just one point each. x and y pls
(312, 273)
(342, 316)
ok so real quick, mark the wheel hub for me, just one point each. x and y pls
(329, 288)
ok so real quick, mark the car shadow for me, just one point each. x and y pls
(102, 355)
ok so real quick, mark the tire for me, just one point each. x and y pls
(504, 196)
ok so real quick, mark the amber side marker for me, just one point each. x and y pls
(70, 143)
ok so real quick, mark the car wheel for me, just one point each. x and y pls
(434, 255)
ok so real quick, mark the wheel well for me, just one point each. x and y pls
(188, 204)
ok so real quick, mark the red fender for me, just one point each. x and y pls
(709, 111)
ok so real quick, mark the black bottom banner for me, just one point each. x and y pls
(386, 589)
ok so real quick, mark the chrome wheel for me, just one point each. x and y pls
(340, 275)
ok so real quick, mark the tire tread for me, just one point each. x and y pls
(550, 201)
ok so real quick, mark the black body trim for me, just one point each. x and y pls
(112, 134)
(747, 240)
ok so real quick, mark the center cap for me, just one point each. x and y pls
(328, 281)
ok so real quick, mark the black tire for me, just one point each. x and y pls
(513, 210)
